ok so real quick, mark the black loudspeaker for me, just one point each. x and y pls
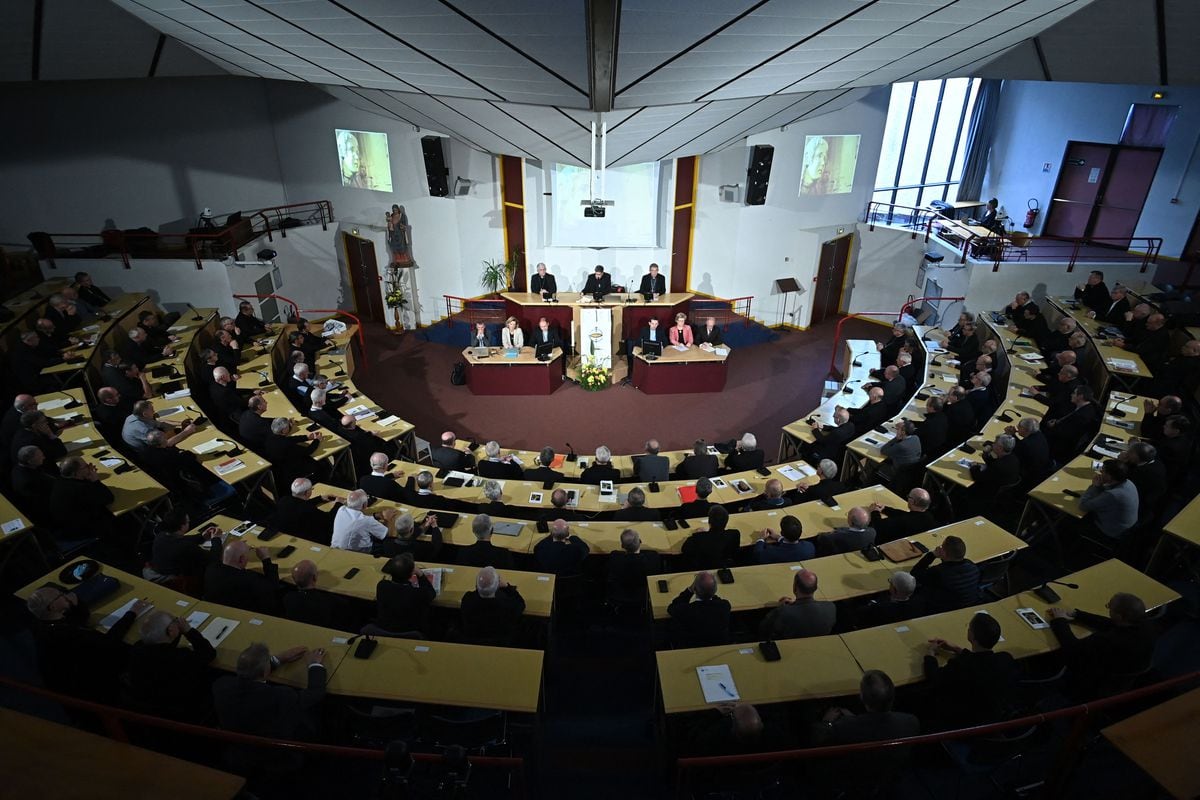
(436, 172)
(758, 173)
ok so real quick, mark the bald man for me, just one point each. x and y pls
(309, 604)
(445, 456)
(800, 616)
(228, 582)
(894, 523)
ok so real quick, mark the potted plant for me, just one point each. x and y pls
(395, 299)
(593, 376)
(497, 276)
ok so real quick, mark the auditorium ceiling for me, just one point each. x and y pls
(672, 77)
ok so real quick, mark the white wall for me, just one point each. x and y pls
(1036, 120)
(571, 265)
(741, 250)
(139, 152)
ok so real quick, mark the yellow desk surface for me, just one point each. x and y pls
(899, 649)
(1162, 741)
(571, 470)
(691, 355)
(1186, 524)
(12, 521)
(444, 673)
(496, 357)
(809, 668)
(44, 759)
(868, 445)
(865, 353)
(1104, 347)
(839, 576)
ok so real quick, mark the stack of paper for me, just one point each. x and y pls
(226, 467)
(115, 617)
(717, 684)
(217, 630)
(435, 577)
(50, 405)
(1121, 363)
(388, 420)
(208, 447)
(178, 394)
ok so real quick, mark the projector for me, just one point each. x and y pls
(595, 207)
(593, 211)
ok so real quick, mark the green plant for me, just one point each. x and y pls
(593, 376)
(497, 276)
(395, 297)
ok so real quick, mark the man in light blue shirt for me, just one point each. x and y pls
(1112, 500)
(143, 421)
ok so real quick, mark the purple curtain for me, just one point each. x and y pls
(1147, 125)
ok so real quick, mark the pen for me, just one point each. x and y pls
(726, 688)
(224, 628)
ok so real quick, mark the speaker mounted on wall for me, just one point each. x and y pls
(437, 174)
(758, 174)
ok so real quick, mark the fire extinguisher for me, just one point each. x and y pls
(1032, 214)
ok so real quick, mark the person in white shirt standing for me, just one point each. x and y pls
(363, 533)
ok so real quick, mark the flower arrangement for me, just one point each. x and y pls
(395, 297)
(593, 376)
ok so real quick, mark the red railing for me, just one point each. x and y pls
(114, 720)
(215, 244)
(724, 311)
(1103, 250)
(881, 213)
(297, 311)
(912, 301)
(1054, 786)
(837, 336)
(473, 309)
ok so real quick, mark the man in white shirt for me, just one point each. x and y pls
(354, 530)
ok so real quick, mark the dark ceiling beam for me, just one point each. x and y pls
(1160, 19)
(39, 10)
(603, 27)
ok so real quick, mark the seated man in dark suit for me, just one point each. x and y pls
(701, 622)
(492, 613)
(857, 535)
(31, 485)
(628, 569)
(783, 547)
(1121, 645)
(228, 582)
(826, 489)
(745, 456)
(26, 362)
(425, 497)
(483, 553)
(180, 471)
(37, 431)
(979, 398)
(1032, 451)
(110, 412)
(559, 502)
(185, 695)
(384, 483)
(960, 414)
(892, 523)
(872, 415)
(446, 457)
(495, 506)
(230, 402)
(975, 685)
(652, 285)
(79, 495)
(544, 334)
(495, 466)
(402, 603)
(560, 553)
(601, 469)
(652, 466)
(954, 582)
(700, 464)
(543, 283)
(902, 602)
(299, 513)
(800, 616)
(1094, 293)
(635, 509)
(934, 430)
(254, 426)
(598, 283)
(999, 469)
(708, 334)
(1114, 313)
(700, 506)
(830, 441)
(1067, 433)
(771, 498)
(310, 605)
(247, 703)
(363, 444)
(291, 456)
(1148, 475)
(175, 552)
(541, 470)
(714, 546)
(878, 722)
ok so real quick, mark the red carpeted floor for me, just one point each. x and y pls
(769, 386)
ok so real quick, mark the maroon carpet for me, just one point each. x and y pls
(769, 386)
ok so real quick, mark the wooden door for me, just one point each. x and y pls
(1084, 167)
(831, 274)
(1124, 191)
(364, 278)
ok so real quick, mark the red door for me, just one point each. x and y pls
(1124, 193)
(364, 278)
(831, 273)
(1083, 169)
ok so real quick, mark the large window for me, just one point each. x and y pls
(925, 142)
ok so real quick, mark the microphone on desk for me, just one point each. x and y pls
(571, 455)
(266, 380)
(365, 647)
(856, 362)
(197, 317)
(1049, 595)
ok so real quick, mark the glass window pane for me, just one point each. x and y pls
(947, 128)
(919, 131)
(961, 155)
(907, 197)
(893, 132)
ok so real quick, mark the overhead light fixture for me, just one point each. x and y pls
(1158, 95)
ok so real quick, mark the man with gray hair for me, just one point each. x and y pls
(999, 469)
(227, 581)
(298, 385)
(745, 455)
(384, 482)
(355, 530)
(902, 603)
(63, 313)
(27, 360)
(1148, 475)
(829, 441)
(79, 500)
(541, 469)
(635, 509)
(254, 426)
(1032, 450)
(291, 456)
(652, 466)
(699, 618)
(31, 485)
(493, 492)
(495, 465)
(247, 703)
(143, 420)
(856, 535)
(299, 513)
(165, 679)
(492, 613)
(141, 351)
(560, 553)
(628, 569)
(602, 469)
(483, 553)
(425, 497)
(893, 523)
(310, 605)
(230, 402)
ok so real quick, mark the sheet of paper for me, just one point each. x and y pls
(717, 684)
(178, 394)
(13, 525)
(218, 630)
(196, 618)
(50, 405)
(78, 444)
(209, 446)
(114, 617)
(1104, 451)
(1121, 363)
(435, 577)
(791, 473)
(390, 419)
(232, 465)
(1128, 409)
(171, 411)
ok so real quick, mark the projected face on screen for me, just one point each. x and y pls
(829, 163)
(364, 160)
